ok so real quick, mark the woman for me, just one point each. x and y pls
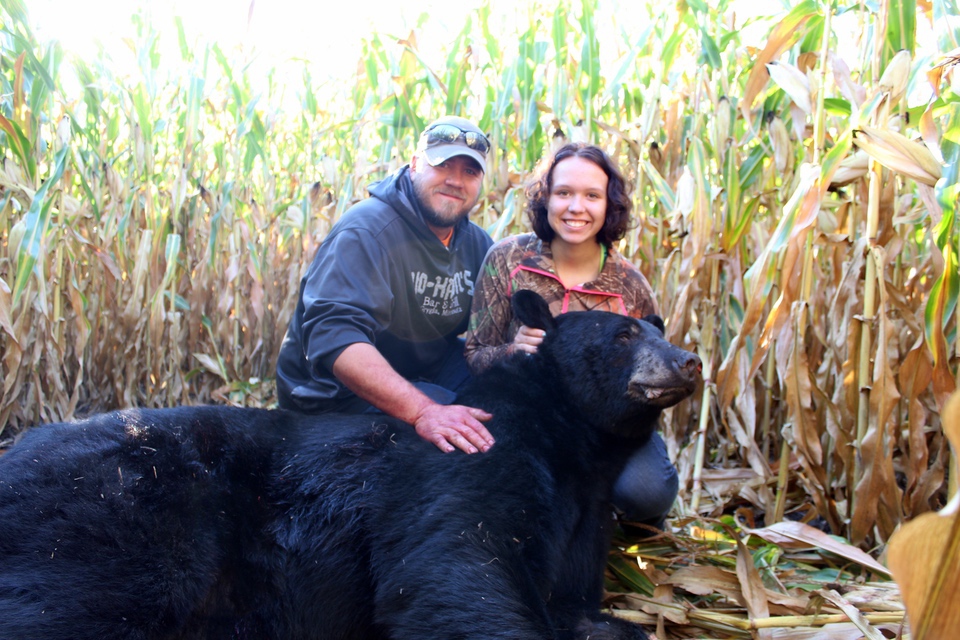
(578, 208)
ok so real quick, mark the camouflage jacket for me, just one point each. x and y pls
(526, 262)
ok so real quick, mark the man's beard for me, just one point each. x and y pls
(443, 219)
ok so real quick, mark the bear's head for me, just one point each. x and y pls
(614, 368)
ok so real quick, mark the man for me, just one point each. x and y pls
(388, 294)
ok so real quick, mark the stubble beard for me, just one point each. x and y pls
(444, 219)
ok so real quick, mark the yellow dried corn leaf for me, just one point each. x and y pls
(924, 556)
(780, 140)
(686, 192)
(898, 153)
(794, 82)
(853, 167)
(6, 306)
(209, 363)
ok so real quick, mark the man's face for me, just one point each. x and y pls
(448, 191)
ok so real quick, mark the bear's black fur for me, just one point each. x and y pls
(212, 522)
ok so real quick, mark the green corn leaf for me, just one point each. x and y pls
(530, 123)
(709, 52)
(813, 35)
(37, 221)
(671, 47)
(948, 33)
(170, 255)
(142, 104)
(92, 95)
(216, 222)
(629, 61)
(901, 29)
(492, 45)
(561, 84)
(499, 228)
(113, 127)
(254, 150)
(942, 302)
(25, 47)
(630, 574)
(559, 28)
(740, 223)
(185, 51)
(838, 107)
(661, 187)
(20, 146)
(458, 64)
(370, 66)
(833, 158)
(191, 120)
(589, 69)
(18, 11)
(527, 64)
(46, 69)
(736, 217)
(752, 166)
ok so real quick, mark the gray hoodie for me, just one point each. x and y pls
(381, 277)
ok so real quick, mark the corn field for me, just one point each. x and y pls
(796, 216)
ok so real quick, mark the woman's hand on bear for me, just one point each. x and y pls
(528, 339)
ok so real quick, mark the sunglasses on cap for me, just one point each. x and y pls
(451, 133)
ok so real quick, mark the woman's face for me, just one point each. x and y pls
(577, 206)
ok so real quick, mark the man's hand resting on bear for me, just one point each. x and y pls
(454, 425)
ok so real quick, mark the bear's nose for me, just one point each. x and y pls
(690, 365)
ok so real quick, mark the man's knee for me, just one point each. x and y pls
(648, 486)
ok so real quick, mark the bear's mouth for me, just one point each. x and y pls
(662, 397)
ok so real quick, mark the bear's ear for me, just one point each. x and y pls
(656, 321)
(531, 310)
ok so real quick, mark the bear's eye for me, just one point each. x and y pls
(624, 337)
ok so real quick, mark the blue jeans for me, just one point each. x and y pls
(648, 485)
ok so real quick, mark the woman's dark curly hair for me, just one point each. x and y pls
(619, 205)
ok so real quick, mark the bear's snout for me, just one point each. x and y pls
(665, 375)
(689, 365)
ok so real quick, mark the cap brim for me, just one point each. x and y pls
(440, 153)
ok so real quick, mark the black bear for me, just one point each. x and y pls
(213, 522)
